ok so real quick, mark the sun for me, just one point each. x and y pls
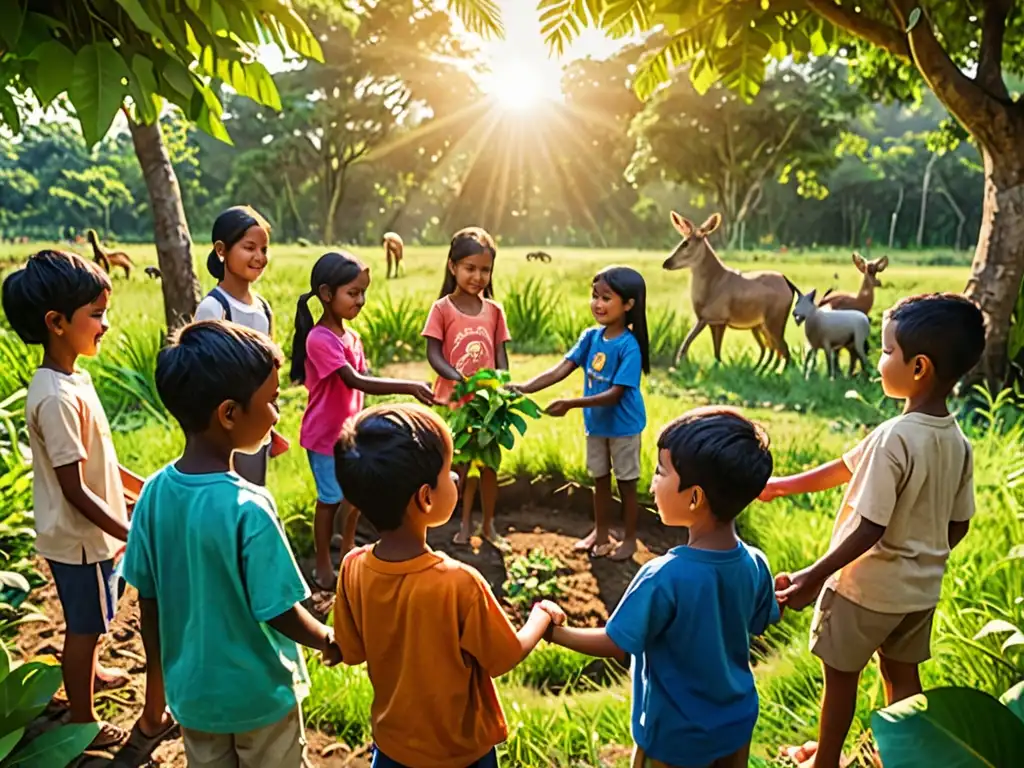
(520, 85)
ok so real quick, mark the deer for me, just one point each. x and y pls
(393, 248)
(865, 298)
(831, 330)
(109, 259)
(723, 297)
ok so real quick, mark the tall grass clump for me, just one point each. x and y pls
(667, 331)
(530, 312)
(390, 330)
(125, 380)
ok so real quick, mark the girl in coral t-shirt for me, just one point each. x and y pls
(466, 331)
(328, 358)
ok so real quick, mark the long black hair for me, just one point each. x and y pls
(331, 271)
(229, 228)
(468, 242)
(629, 284)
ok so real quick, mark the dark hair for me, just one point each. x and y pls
(229, 228)
(331, 271)
(629, 284)
(468, 242)
(208, 362)
(386, 455)
(947, 328)
(51, 281)
(723, 452)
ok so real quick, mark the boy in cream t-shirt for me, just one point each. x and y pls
(909, 499)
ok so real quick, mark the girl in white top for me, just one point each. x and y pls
(241, 238)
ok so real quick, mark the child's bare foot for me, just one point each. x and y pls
(499, 541)
(587, 542)
(624, 551)
(802, 756)
(462, 537)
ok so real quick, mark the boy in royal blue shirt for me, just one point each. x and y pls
(687, 617)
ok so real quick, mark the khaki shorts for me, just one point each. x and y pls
(621, 454)
(845, 635)
(279, 745)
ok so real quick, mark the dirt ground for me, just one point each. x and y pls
(591, 589)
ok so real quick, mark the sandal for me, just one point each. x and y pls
(110, 736)
(603, 550)
(140, 746)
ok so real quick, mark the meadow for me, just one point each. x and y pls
(559, 713)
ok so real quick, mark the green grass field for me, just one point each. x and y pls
(808, 421)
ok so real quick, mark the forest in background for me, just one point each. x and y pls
(391, 132)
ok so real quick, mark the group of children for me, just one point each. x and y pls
(221, 596)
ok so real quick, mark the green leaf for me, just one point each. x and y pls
(96, 89)
(14, 18)
(484, 439)
(9, 111)
(10, 741)
(1013, 699)
(25, 693)
(179, 80)
(518, 422)
(951, 727)
(141, 19)
(143, 87)
(5, 662)
(482, 17)
(461, 440)
(507, 440)
(14, 581)
(912, 19)
(55, 63)
(260, 87)
(58, 747)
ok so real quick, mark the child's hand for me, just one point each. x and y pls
(331, 655)
(773, 490)
(558, 408)
(783, 581)
(802, 590)
(516, 389)
(422, 392)
(553, 610)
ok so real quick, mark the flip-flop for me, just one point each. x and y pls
(603, 550)
(110, 736)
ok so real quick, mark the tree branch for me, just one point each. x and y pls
(990, 60)
(981, 114)
(873, 31)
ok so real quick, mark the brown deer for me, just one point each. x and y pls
(393, 248)
(109, 259)
(727, 298)
(865, 298)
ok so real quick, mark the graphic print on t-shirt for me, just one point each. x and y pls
(471, 346)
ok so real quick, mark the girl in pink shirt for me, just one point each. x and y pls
(466, 331)
(328, 358)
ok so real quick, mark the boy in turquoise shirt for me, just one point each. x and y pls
(219, 589)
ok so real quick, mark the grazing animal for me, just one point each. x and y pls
(393, 248)
(865, 298)
(723, 297)
(831, 330)
(538, 256)
(153, 272)
(109, 259)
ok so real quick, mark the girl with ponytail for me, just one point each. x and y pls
(327, 356)
(241, 238)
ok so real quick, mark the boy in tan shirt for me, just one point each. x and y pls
(909, 499)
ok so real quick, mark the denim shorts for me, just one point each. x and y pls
(380, 760)
(327, 489)
(88, 595)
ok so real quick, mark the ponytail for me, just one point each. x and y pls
(331, 271)
(303, 325)
(214, 265)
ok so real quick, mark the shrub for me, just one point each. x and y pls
(487, 414)
(530, 312)
(390, 331)
(532, 577)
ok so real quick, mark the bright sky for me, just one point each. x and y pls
(523, 73)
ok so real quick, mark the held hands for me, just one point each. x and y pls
(554, 612)
(517, 389)
(330, 656)
(775, 489)
(797, 590)
(558, 408)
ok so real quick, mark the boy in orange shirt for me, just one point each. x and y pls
(428, 627)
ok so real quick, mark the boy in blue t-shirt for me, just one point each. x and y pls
(687, 617)
(219, 590)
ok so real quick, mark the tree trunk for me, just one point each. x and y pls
(895, 218)
(332, 208)
(961, 219)
(999, 259)
(170, 229)
(925, 184)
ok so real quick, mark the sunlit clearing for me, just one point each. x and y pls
(520, 86)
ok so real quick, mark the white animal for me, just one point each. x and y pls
(831, 330)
